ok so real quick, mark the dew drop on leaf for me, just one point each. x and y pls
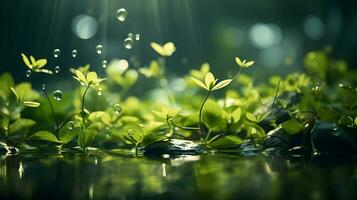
(117, 108)
(99, 49)
(131, 132)
(122, 14)
(137, 37)
(56, 53)
(128, 43)
(104, 63)
(70, 125)
(28, 73)
(107, 131)
(57, 95)
(74, 53)
(57, 69)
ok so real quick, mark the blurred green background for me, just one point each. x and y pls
(274, 33)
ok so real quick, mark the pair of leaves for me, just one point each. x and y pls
(36, 65)
(23, 99)
(91, 78)
(164, 50)
(154, 70)
(258, 117)
(209, 83)
(164, 111)
(244, 63)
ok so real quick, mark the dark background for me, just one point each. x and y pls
(203, 30)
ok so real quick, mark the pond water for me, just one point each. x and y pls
(219, 176)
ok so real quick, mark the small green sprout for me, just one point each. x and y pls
(91, 79)
(244, 63)
(36, 65)
(210, 83)
(164, 50)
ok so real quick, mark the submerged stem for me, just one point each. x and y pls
(200, 114)
(53, 111)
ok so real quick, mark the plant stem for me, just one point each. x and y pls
(183, 127)
(200, 114)
(237, 74)
(83, 97)
(53, 111)
(277, 93)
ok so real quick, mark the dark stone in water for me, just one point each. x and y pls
(174, 147)
(327, 137)
(278, 138)
(278, 115)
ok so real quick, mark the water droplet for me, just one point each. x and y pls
(131, 132)
(56, 53)
(28, 73)
(57, 95)
(137, 37)
(128, 43)
(43, 87)
(70, 125)
(104, 63)
(99, 49)
(131, 35)
(165, 155)
(117, 108)
(122, 14)
(99, 93)
(107, 131)
(57, 69)
(74, 53)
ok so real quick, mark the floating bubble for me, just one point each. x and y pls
(137, 37)
(43, 87)
(107, 131)
(99, 49)
(99, 93)
(28, 73)
(57, 95)
(57, 69)
(131, 132)
(70, 125)
(84, 26)
(128, 43)
(117, 108)
(131, 35)
(74, 53)
(56, 53)
(104, 63)
(122, 14)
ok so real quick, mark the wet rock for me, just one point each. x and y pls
(248, 148)
(174, 147)
(327, 137)
(279, 139)
(278, 115)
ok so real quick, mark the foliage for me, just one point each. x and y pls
(104, 114)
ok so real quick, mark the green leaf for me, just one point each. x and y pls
(66, 135)
(222, 84)
(6, 82)
(251, 117)
(236, 115)
(213, 115)
(46, 136)
(356, 121)
(292, 126)
(31, 104)
(199, 83)
(227, 142)
(21, 125)
(26, 61)
(209, 80)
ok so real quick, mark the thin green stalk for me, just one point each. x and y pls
(83, 97)
(277, 93)
(53, 111)
(183, 127)
(200, 114)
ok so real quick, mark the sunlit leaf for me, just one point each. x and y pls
(46, 136)
(26, 61)
(292, 126)
(31, 104)
(251, 117)
(199, 83)
(209, 80)
(222, 84)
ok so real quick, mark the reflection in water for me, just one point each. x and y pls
(218, 176)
